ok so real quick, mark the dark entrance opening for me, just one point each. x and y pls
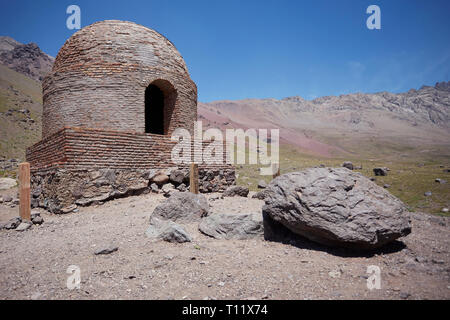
(154, 110)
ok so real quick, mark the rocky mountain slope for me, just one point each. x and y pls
(343, 123)
(27, 59)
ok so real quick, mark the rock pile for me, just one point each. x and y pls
(168, 219)
(21, 225)
(87, 187)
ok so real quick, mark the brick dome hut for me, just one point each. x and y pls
(116, 92)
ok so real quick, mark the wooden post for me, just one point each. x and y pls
(193, 178)
(275, 170)
(24, 191)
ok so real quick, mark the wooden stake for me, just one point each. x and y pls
(24, 191)
(193, 178)
(276, 170)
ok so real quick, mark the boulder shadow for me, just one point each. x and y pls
(276, 232)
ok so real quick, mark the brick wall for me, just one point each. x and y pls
(84, 148)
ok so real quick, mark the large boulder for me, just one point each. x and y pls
(335, 207)
(236, 191)
(182, 207)
(232, 225)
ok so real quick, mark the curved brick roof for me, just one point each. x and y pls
(118, 43)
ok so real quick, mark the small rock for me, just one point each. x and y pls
(445, 210)
(236, 191)
(68, 209)
(441, 181)
(380, 171)
(24, 226)
(177, 176)
(154, 187)
(106, 250)
(160, 179)
(13, 223)
(37, 220)
(404, 295)
(435, 261)
(387, 186)
(168, 231)
(262, 184)
(259, 195)
(428, 194)
(348, 165)
(334, 273)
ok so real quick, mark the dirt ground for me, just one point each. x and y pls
(34, 263)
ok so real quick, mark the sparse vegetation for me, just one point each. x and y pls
(409, 177)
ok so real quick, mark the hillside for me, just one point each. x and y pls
(27, 59)
(346, 124)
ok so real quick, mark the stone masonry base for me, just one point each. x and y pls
(57, 189)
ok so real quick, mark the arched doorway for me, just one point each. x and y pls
(160, 97)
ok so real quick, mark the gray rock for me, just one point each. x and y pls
(37, 219)
(445, 210)
(106, 250)
(36, 192)
(13, 223)
(262, 184)
(154, 187)
(348, 165)
(182, 187)
(7, 198)
(232, 226)
(167, 188)
(236, 191)
(177, 177)
(380, 171)
(387, 186)
(335, 207)
(441, 181)
(25, 225)
(428, 194)
(182, 207)
(168, 231)
(260, 195)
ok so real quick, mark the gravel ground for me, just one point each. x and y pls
(34, 263)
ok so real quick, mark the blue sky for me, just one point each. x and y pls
(270, 49)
